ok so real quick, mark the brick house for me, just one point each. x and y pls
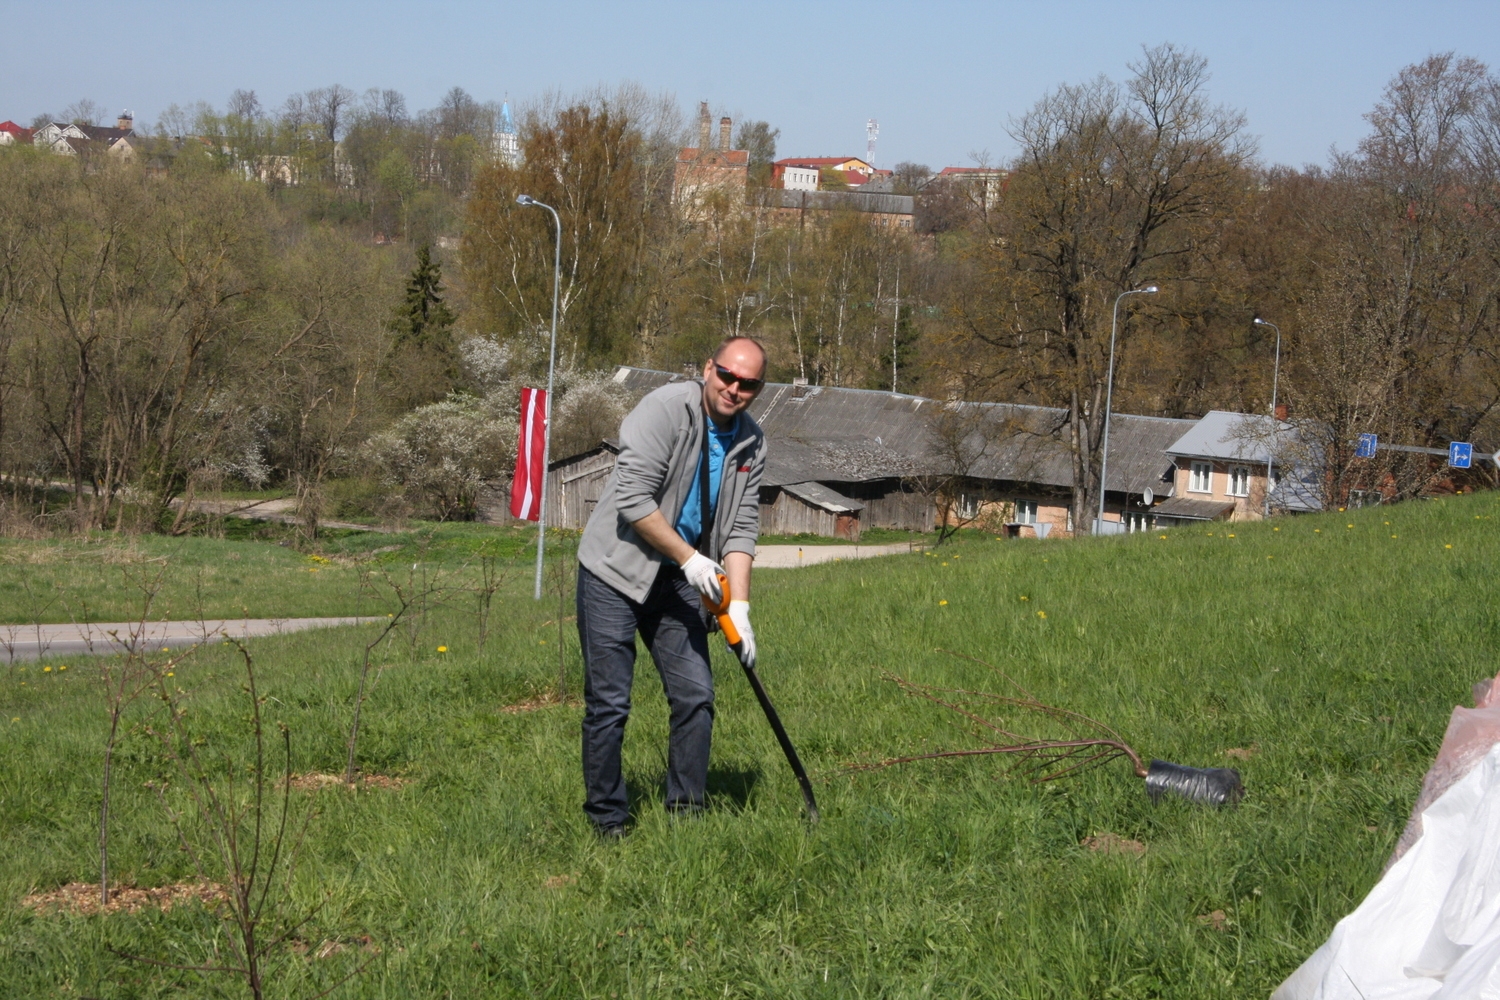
(704, 171)
(1220, 469)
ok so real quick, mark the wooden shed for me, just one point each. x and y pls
(575, 483)
(808, 509)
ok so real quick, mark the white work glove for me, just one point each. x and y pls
(703, 573)
(739, 613)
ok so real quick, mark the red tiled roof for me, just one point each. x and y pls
(21, 134)
(817, 161)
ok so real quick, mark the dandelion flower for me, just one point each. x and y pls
(1447, 546)
(16, 719)
(940, 603)
(945, 564)
(1162, 537)
(542, 643)
(164, 649)
(1341, 509)
(48, 670)
(1348, 525)
(1275, 529)
(1393, 536)
(1025, 598)
(442, 649)
(389, 615)
(1317, 531)
(1231, 534)
(63, 667)
(171, 673)
(1041, 614)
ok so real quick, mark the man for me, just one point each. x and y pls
(684, 497)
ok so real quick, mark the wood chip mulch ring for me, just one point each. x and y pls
(547, 699)
(1218, 920)
(317, 780)
(1113, 843)
(330, 947)
(82, 898)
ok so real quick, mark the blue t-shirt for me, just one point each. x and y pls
(689, 524)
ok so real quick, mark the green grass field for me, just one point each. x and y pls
(1333, 646)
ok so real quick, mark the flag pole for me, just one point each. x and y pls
(541, 524)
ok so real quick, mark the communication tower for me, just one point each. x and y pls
(872, 131)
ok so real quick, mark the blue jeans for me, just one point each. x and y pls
(674, 631)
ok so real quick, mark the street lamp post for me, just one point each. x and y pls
(1275, 422)
(541, 524)
(1109, 395)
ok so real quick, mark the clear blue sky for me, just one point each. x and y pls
(943, 78)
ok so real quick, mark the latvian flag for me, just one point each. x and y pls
(526, 490)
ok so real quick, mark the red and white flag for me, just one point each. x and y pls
(526, 490)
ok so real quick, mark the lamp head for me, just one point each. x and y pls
(525, 199)
(1149, 289)
(1260, 322)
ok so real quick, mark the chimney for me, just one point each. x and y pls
(724, 124)
(125, 121)
(703, 127)
(1281, 411)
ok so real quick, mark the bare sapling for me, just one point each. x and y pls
(413, 599)
(562, 577)
(124, 678)
(234, 820)
(37, 609)
(491, 578)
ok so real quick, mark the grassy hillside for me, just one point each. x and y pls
(1331, 648)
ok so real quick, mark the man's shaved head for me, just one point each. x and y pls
(730, 344)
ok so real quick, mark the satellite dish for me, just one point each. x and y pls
(1147, 496)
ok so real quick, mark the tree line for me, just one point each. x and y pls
(228, 318)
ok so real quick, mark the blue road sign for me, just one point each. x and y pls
(1460, 454)
(1366, 446)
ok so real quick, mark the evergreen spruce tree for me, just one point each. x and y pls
(422, 365)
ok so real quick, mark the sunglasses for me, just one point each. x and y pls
(730, 378)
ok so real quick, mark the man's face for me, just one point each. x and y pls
(725, 395)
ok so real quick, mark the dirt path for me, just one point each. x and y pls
(31, 642)
(794, 556)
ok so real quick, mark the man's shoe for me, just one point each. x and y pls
(615, 832)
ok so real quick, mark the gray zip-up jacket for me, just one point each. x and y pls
(660, 444)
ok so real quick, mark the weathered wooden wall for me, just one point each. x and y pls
(789, 515)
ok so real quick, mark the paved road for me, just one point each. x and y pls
(30, 642)
(793, 556)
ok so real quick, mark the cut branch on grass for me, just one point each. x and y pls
(1089, 743)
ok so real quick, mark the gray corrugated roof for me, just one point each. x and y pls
(1243, 437)
(859, 201)
(1201, 510)
(821, 496)
(827, 434)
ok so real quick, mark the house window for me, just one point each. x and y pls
(968, 506)
(1025, 512)
(1136, 521)
(1201, 479)
(1239, 481)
